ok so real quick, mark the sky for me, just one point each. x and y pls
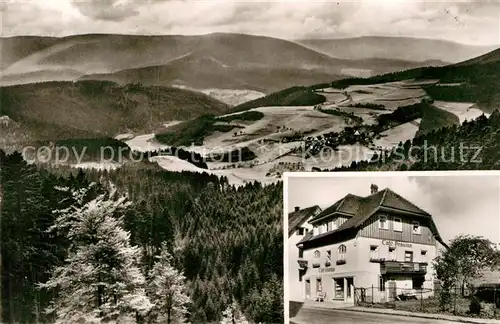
(458, 204)
(475, 22)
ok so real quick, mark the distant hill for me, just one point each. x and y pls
(86, 109)
(220, 60)
(476, 80)
(491, 57)
(428, 51)
(293, 96)
(226, 60)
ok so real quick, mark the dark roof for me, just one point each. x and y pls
(362, 208)
(346, 205)
(297, 218)
(356, 205)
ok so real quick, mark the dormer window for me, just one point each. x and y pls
(317, 254)
(416, 227)
(334, 225)
(382, 222)
(300, 231)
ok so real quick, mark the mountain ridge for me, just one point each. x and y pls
(260, 63)
(406, 48)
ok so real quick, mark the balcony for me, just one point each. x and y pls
(340, 262)
(395, 267)
(377, 260)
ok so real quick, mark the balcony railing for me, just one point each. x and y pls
(396, 267)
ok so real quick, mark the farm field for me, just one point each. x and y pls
(401, 133)
(463, 110)
(276, 140)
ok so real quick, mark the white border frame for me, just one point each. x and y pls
(353, 174)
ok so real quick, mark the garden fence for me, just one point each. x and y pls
(427, 300)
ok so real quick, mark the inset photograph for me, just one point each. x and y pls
(372, 247)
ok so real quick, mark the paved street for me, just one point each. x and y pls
(327, 316)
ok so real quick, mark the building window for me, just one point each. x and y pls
(328, 256)
(334, 225)
(339, 288)
(317, 254)
(329, 226)
(398, 225)
(373, 252)
(315, 230)
(319, 285)
(392, 253)
(423, 255)
(342, 254)
(301, 253)
(381, 283)
(416, 227)
(300, 231)
(382, 222)
(408, 256)
(418, 282)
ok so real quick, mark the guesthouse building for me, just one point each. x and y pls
(376, 247)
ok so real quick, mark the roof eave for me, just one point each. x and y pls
(402, 211)
(312, 221)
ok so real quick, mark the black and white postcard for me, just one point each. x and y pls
(143, 147)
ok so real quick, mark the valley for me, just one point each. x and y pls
(250, 114)
(281, 139)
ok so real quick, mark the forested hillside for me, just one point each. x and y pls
(226, 240)
(86, 109)
(475, 82)
(474, 145)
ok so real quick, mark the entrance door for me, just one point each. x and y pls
(308, 288)
(349, 290)
(391, 286)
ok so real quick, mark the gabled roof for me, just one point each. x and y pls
(297, 218)
(362, 208)
(347, 205)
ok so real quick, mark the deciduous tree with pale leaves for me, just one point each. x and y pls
(100, 280)
(233, 315)
(167, 291)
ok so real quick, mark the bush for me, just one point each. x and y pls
(475, 306)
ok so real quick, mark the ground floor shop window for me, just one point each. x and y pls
(319, 285)
(339, 288)
(418, 282)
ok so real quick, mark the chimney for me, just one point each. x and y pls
(374, 188)
(297, 208)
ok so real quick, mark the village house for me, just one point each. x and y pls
(298, 226)
(382, 245)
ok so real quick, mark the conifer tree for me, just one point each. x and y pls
(167, 290)
(100, 280)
